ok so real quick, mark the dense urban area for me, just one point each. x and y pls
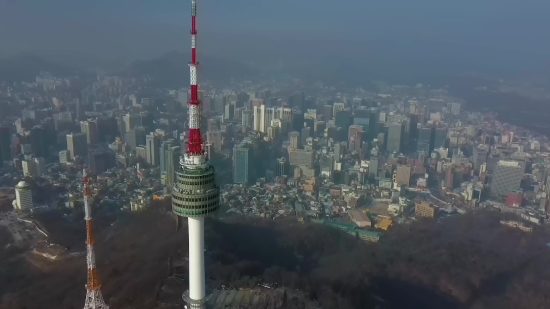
(350, 170)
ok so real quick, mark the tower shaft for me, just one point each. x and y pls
(196, 258)
(94, 299)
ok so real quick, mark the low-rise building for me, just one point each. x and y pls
(424, 209)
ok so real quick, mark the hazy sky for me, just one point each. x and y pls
(509, 31)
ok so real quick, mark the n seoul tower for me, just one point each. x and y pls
(195, 193)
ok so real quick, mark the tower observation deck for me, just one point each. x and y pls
(195, 193)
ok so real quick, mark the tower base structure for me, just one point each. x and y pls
(94, 300)
(195, 303)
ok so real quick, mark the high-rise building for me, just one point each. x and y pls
(77, 145)
(403, 175)
(39, 141)
(152, 144)
(304, 135)
(412, 131)
(23, 196)
(135, 137)
(5, 144)
(425, 140)
(130, 121)
(294, 138)
(480, 154)
(301, 157)
(247, 119)
(64, 156)
(440, 138)
(373, 168)
(229, 112)
(242, 169)
(164, 147)
(90, 129)
(395, 137)
(169, 161)
(507, 177)
(214, 138)
(281, 167)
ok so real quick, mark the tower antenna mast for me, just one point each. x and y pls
(94, 299)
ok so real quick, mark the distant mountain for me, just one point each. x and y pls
(26, 66)
(172, 69)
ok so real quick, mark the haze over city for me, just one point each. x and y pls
(210, 154)
(496, 36)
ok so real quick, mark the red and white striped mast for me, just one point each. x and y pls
(194, 155)
(94, 299)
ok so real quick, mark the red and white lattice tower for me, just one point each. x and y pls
(194, 154)
(94, 299)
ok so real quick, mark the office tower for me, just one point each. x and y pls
(440, 138)
(355, 138)
(304, 135)
(297, 121)
(294, 138)
(269, 115)
(395, 137)
(403, 175)
(327, 113)
(242, 169)
(94, 299)
(5, 144)
(29, 168)
(373, 168)
(40, 166)
(39, 141)
(107, 129)
(301, 157)
(297, 100)
(455, 108)
(195, 193)
(247, 120)
(100, 160)
(215, 138)
(23, 196)
(342, 119)
(64, 156)
(90, 129)
(152, 144)
(412, 131)
(169, 158)
(79, 111)
(164, 147)
(480, 154)
(258, 117)
(77, 145)
(130, 121)
(507, 176)
(281, 167)
(63, 121)
(373, 124)
(229, 112)
(425, 140)
(336, 107)
(135, 137)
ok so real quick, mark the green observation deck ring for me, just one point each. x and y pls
(195, 193)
